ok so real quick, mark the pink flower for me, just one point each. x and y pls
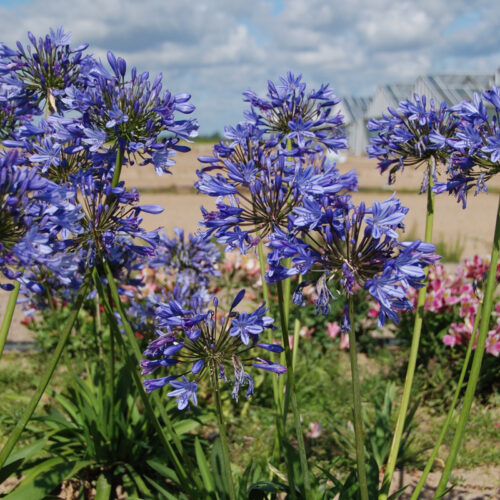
(306, 332)
(344, 341)
(333, 329)
(373, 312)
(314, 431)
(493, 343)
(450, 340)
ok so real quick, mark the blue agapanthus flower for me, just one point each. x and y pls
(44, 69)
(34, 214)
(404, 137)
(258, 188)
(194, 253)
(299, 121)
(194, 345)
(180, 270)
(133, 114)
(475, 145)
(111, 221)
(351, 245)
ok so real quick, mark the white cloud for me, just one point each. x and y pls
(216, 49)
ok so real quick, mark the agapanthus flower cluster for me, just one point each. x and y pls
(196, 254)
(14, 109)
(56, 148)
(298, 121)
(196, 345)
(348, 245)
(111, 222)
(133, 113)
(257, 188)
(44, 69)
(475, 145)
(34, 212)
(404, 137)
(180, 270)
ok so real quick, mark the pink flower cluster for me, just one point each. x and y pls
(459, 293)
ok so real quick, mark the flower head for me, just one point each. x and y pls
(134, 114)
(257, 188)
(196, 345)
(33, 213)
(352, 245)
(44, 68)
(475, 146)
(406, 137)
(305, 119)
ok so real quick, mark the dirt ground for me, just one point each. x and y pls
(473, 227)
(481, 483)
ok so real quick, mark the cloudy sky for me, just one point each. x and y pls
(215, 49)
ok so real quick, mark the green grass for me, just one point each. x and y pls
(450, 250)
(324, 394)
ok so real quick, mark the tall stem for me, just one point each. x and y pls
(277, 395)
(293, 397)
(491, 283)
(412, 361)
(296, 335)
(110, 369)
(120, 153)
(9, 313)
(356, 395)
(68, 326)
(435, 451)
(222, 432)
(262, 265)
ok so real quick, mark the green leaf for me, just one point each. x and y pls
(15, 460)
(141, 486)
(160, 489)
(205, 472)
(185, 426)
(44, 478)
(163, 470)
(103, 488)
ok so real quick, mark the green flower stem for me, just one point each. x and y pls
(277, 396)
(435, 451)
(285, 302)
(132, 341)
(222, 432)
(491, 283)
(110, 385)
(262, 264)
(28, 413)
(9, 313)
(356, 395)
(120, 153)
(291, 392)
(412, 361)
(296, 335)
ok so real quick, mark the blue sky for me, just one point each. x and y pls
(215, 49)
